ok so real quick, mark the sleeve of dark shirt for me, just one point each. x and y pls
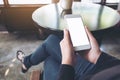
(66, 72)
(105, 61)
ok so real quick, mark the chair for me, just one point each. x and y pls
(36, 75)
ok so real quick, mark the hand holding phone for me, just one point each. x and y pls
(77, 31)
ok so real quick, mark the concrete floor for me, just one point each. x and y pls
(10, 43)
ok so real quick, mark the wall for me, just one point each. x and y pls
(18, 18)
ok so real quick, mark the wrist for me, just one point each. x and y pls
(97, 56)
(68, 61)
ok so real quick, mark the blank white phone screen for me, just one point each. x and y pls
(77, 31)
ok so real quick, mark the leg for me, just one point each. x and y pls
(50, 47)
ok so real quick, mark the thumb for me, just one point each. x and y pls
(67, 35)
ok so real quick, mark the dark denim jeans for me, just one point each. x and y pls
(50, 53)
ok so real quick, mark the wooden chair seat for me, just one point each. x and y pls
(36, 75)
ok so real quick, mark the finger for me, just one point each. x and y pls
(90, 36)
(93, 41)
(67, 35)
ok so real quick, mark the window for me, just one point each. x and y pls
(29, 1)
(107, 1)
(90, 0)
(112, 1)
(1, 2)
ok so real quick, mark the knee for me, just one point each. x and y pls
(52, 38)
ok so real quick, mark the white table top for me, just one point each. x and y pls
(95, 16)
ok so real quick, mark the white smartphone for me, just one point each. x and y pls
(77, 31)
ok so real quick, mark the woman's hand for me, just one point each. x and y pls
(93, 54)
(68, 55)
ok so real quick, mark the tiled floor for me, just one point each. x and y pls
(10, 43)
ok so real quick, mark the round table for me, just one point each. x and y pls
(95, 16)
